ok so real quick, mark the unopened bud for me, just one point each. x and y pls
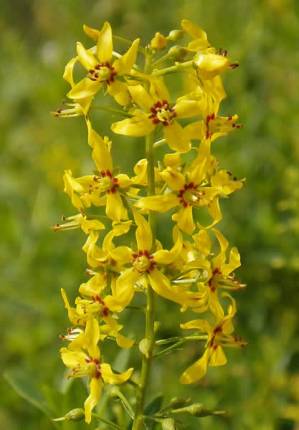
(159, 41)
(178, 53)
(73, 415)
(175, 35)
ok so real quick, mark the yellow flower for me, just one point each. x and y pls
(218, 269)
(145, 267)
(158, 41)
(102, 189)
(100, 67)
(188, 188)
(213, 127)
(208, 62)
(93, 305)
(79, 221)
(80, 107)
(82, 356)
(155, 109)
(219, 336)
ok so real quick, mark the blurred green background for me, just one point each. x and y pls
(260, 385)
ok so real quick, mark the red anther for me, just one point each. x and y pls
(105, 311)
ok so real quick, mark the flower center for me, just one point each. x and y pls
(143, 262)
(108, 183)
(161, 112)
(190, 195)
(213, 280)
(103, 72)
(95, 367)
(220, 124)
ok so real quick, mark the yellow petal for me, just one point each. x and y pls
(234, 262)
(199, 324)
(174, 179)
(84, 89)
(100, 151)
(198, 170)
(123, 180)
(225, 183)
(193, 30)
(121, 254)
(140, 170)
(95, 388)
(85, 57)
(124, 342)
(115, 209)
(141, 97)
(72, 314)
(139, 125)
(184, 219)
(203, 242)
(185, 108)
(91, 224)
(144, 235)
(161, 285)
(215, 212)
(104, 43)
(158, 203)
(167, 257)
(110, 377)
(172, 160)
(73, 359)
(92, 336)
(197, 371)
(94, 285)
(119, 91)
(68, 71)
(158, 89)
(196, 130)
(124, 290)
(124, 64)
(176, 137)
(91, 32)
(210, 65)
(72, 187)
(215, 305)
(217, 357)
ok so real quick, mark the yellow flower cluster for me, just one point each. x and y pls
(187, 185)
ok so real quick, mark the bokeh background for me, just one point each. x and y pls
(260, 385)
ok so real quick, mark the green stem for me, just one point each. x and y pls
(109, 423)
(150, 307)
(112, 110)
(173, 69)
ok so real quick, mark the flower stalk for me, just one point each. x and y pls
(186, 184)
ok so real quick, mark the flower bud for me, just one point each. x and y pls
(175, 35)
(178, 53)
(76, 414)
(158, 41)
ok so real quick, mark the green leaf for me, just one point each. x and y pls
(25, 388)
(154, 405)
